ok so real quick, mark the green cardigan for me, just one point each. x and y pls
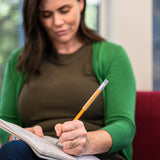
(109, 61)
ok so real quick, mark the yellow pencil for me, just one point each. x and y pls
(90, 101)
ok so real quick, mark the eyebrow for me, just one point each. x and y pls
(67, 5)
(44, 10)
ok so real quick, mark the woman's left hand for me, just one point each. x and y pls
(74, 137)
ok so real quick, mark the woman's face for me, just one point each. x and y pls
(61, 19)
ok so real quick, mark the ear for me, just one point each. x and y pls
(81, 4)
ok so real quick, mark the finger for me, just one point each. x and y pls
(38, 131)
(70, 144)
(74, 134)
(58, 129)
(68, 136)
(75, 147)
(30, 129)
(72, 125)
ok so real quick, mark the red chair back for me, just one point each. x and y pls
(146, 144)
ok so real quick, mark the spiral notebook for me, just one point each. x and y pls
(43, 147)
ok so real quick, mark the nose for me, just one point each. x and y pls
(58, 19)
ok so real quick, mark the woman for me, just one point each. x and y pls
(61, 65)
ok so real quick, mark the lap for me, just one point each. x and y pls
(113, 156)
(18, 150)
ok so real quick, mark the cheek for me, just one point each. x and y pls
(74, 19)
(47, 24)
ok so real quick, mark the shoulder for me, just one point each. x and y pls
(105, 43)
(15, 55)
(11, 67)
(13, 60)
(108, 56)
(105, 50)
(106, 47)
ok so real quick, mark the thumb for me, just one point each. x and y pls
(58, 129)
(38, 131)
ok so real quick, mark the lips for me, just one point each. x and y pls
(62, 32)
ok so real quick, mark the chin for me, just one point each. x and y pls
(64, 40)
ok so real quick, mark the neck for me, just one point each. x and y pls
(68, 47)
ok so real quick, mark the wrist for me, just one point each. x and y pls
(91, 144)
(11, 138)
(15, 138)
(99, 142)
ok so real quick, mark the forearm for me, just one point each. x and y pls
(99, 142)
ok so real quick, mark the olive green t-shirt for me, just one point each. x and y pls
(60, 91)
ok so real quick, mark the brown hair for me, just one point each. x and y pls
(37, 43)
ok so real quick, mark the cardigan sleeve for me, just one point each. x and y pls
(8, 102)
(111, 62)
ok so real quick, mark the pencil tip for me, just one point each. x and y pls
(57, 142)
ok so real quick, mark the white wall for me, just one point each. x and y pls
(129, 23)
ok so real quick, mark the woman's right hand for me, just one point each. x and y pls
(37, 130)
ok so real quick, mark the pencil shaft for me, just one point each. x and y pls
(79, 114)
(91, 99)
(86, 106)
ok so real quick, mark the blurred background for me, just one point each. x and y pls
(133, 24)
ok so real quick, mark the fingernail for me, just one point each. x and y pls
(57, 132)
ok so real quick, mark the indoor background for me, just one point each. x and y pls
(133, 24)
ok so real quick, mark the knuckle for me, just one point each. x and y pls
(65, 126)
(81, 123)
(83, 134)
(83, 142)
(78, 123)
(35, 128)
(65, 145)
(66, 123)
(38, 126)
(63, 136)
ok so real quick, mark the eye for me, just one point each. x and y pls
(45, 14)
(65, 9)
